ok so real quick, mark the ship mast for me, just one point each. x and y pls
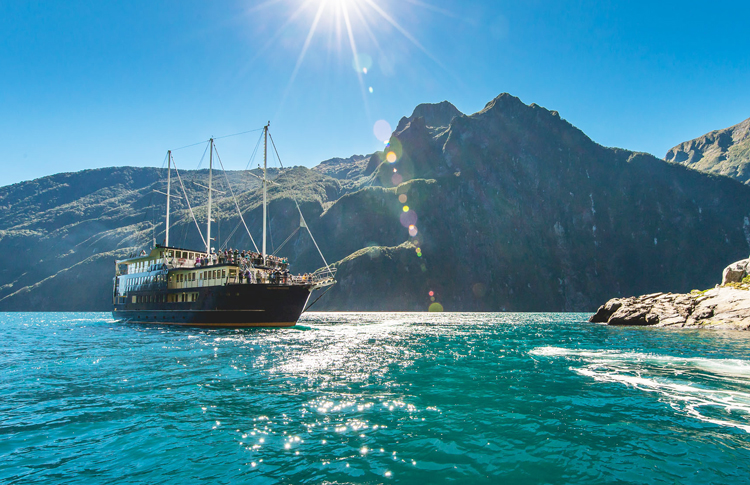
(265, 209)
(210, 176)
(169, 182)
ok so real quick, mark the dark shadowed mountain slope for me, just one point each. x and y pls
(724, 152)
(519, 210)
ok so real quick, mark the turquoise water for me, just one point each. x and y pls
(372, 398)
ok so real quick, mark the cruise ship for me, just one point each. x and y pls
(208, 288)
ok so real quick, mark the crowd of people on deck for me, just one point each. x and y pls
(249, 262)
(244, 259)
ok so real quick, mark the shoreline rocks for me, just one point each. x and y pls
(723, 307)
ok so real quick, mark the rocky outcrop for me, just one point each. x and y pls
(735, 272)
(723, 152)
(724, 307)
(436, 115)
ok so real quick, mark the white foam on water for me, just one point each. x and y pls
(722, 367)
(668, 376)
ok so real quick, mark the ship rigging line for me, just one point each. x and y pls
(234, 198)
(303, 221)
(274, 149)
(252, 157)
(217, 138)
(318, 298)
(285, 241)
(188, 201)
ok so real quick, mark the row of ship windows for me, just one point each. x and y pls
(183, 254)
(168, 298)
(179, 278)
(133, 282)
(202, 275)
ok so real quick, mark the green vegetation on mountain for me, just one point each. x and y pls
(512, 208)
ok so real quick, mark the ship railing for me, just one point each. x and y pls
(323, 277)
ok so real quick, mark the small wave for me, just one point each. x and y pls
(722, 367)
(690, 397)
(672, 378)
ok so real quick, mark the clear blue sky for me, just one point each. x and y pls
(86, 84)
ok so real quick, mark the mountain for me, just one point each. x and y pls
(519, 210)
(511, 208)
(724, 152)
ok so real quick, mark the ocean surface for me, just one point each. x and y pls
(372, 398)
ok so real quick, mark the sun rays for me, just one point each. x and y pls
(343, 26)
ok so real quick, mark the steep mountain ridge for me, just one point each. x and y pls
(437, 115)
(723, 152)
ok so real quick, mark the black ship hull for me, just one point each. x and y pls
(231, 305)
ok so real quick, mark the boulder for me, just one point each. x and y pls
(635, 314)
(605, 311)
(735, 272)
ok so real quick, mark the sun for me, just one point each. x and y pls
(348, 25)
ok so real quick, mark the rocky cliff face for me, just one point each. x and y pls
(724, 152)
(511, 208)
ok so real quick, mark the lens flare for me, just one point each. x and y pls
(396, 179)
(412, 231)
(402, 198)
(432, 293)
(391, 157)
(362, 62)
(408, 219)
(435, 307)
(406, 208)
(382, 129)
